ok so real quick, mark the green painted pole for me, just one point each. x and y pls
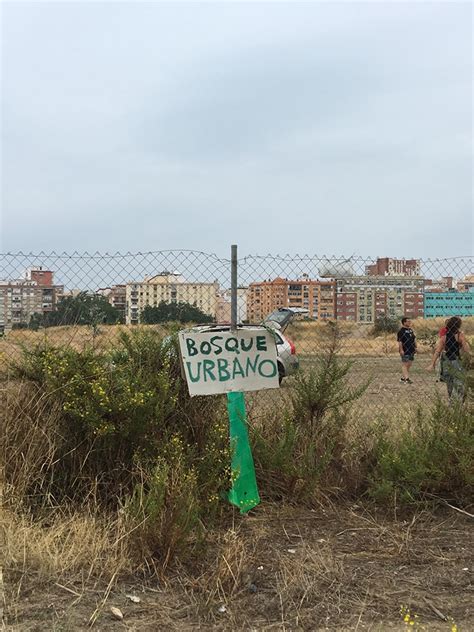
(244, 491)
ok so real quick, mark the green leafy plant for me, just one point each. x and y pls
(83, 309)
(169, 312)
(385, 325)
(301, 450)
(124, 426)
(432, 455)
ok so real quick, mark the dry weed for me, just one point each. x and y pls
(28, 436)
(77, 337)
(226, 572)
(79, 545)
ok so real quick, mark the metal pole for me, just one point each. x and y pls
(233, 288)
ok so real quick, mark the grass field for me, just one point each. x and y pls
(374, 359)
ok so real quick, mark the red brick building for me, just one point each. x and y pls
(385, 266)
(365, 298)
(315, 296)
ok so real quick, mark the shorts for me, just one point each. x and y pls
(408, 357)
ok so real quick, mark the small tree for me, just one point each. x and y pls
(180, 312)
(36, 321)
(83, 309)
(325, 388)
(385, 325)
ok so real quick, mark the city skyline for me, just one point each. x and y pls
(388, 287)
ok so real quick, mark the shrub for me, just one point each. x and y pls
(428, 337)
(168, 312)
(20, 326)
(164, 507)
(300, 451)
(433, 455)
(122, 427)
(385, 325)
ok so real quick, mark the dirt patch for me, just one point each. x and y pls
(280, 568)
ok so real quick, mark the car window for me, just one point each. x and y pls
(278, 316)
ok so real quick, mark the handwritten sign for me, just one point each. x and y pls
(226, 361)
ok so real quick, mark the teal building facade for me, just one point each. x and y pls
(445, 304)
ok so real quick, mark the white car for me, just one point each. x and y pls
(279, 320)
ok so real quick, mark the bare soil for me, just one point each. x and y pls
(279, 568)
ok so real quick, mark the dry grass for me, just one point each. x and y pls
(28, 435)
(309, 336)
(356, 340)
(77, 337)
(64, 545)
(54, 542)
(281, 568)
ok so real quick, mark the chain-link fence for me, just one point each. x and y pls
(353, 303)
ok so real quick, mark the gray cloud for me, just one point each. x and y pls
(302, 127)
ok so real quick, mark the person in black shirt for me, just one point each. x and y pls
(407, 349)
(452, 343)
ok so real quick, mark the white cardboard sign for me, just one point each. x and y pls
(226, 361)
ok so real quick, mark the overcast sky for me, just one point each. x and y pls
(282, 127)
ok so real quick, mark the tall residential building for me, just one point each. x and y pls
(33, 294)
(40, 276)
(326, 300)
(118, 299)
(169, 287)
(444, 304)
(315, 296)
(385, 266)
(363, 299)
(266, 296)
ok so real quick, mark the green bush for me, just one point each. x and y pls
(20, 326)
(385, 325)
(174, 312)
(300, 451)
(83, 309)
(433, 455)
(165, 505)
(124, 423)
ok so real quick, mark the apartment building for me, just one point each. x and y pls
(118, 299)
(266, 296)
(363, 299)
(385, 266)
(466, 284)
(315, 296)
(35, 293)
(169, 287)
(326, 300)
(445, 304)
